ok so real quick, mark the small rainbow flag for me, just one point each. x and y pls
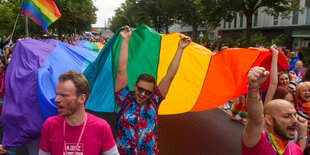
(42, 12)
(95, 32)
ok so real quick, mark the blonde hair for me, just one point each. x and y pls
(300, 87)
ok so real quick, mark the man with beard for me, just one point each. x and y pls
(75, 131)
(137, 131)
(278, 115)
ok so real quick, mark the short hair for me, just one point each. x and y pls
(147, 78)
(300, 86)
(282, 91)
(79, 80)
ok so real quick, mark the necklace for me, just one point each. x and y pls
(80, 137)
(272, 141)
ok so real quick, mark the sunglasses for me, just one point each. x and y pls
(141, 90)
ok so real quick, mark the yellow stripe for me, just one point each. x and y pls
(187, 84)
(100, 45)
(45, 11)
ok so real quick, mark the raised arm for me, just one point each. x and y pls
(121, 76)
(173, 67)
(255, 120)
(273, 74)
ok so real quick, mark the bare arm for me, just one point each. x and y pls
(121, 75)
(173, 67)
(273, 74)
(255, 120)
(303, 126)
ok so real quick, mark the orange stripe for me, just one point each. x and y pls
(51, 6)
(226, 78)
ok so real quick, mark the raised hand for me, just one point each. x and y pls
(293, 76)
(257, 76)
(126, 33)
(274, 49)
(184, 41)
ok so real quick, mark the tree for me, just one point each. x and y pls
(76, 16)
(226, 9)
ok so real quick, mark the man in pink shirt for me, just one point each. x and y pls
(280, 119)
(75, 131)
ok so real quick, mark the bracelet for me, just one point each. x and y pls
(303, 137)
(252, 89)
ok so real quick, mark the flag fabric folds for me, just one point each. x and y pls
(94, 47)
(42, 12)
(204, 81)
(31, 80)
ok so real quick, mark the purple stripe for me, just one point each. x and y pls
(30, 15)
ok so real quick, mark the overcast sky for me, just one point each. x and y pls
(105, 10)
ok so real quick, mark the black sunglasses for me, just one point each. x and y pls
(141, 90)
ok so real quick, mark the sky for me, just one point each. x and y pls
(105, 10)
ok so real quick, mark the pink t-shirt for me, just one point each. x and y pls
(263, 147)
(97, 137)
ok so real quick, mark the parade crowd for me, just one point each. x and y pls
(276, 119)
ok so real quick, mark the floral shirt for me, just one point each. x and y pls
(137, 131)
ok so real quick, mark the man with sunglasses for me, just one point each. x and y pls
(137, 131)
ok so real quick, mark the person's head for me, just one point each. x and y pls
(299, 66)
(303, 91)
(283, 79)
(280, 118)
(72, 92)
(286, 93)
(144, 88)
(306, 77)
(293, 55)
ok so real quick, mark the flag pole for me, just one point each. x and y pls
(26, 26)
(14, 27)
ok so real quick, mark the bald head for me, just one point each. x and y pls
(274, 106)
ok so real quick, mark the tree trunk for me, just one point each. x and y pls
(194, 26)
(248, 29)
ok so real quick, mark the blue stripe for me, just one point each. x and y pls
(35, 13)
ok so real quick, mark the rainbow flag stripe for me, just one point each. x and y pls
(95, 32)
(42, 12)
(204, 81)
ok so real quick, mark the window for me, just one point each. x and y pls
(229, 25)
(255, 19)
(241, 20)
(276, 20)
(235, 21)
(224, 26)
(295, 17)
(308, 15)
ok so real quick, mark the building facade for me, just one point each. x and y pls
(296, 28)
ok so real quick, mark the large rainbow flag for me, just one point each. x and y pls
(31, 79)
(94, 47)
(42, 12)
(204, 81)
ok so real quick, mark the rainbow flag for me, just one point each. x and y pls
(95, 32)
(204, 81)
(42, 12)
(93, 47)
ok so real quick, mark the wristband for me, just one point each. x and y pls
(253, 89)
(303, 137)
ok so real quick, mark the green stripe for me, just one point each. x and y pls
(143, 53)
(46, 20)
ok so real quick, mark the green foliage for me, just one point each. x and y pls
(226, 9)
(255, 38)
(279, 40)
(79, 14)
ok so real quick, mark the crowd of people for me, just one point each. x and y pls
(277, 122)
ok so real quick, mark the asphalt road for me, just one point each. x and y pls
(209, 132)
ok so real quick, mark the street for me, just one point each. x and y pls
(207, 132)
